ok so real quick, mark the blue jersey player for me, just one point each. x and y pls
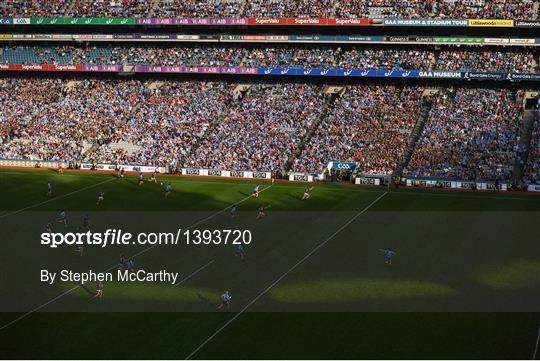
(388, 254)
(49, 188)
(63, 218)
(168, 190)
(225, 300)
(234, 211)
(240, 251)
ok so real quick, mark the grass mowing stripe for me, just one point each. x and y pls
(55, 198)
(537, 342)
(110, 268)
(351, 188)
(267, 289)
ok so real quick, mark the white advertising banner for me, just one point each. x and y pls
(368, 181)
(300, 177)
(226, 173)
(454, 184)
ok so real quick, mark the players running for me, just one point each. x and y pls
(225, 301)
(168, 190)
(234, 211)
(49, 189)
(388, 254)
(62, 218)
(100, 198)
(240, 252)
(141, 178)
(153, 177)
(261, 211)
(99, 291)
(130, 265)
(306, 193)
(256, 191)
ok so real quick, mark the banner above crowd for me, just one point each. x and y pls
(272, 22)
(363, 73)
(314, 39)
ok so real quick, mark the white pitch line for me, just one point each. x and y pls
(265, 291)
(54, 199)
(194, 273)
(38, 308)
(137, 254)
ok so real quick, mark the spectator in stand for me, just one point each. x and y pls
(471, 134)
(355, 57)
(386, 58)
(263, 131)
(487, 59)
(532, 168)
(436, 9)
(369, 125)
(405, 9)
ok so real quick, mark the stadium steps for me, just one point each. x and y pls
(211, 127)
(239, 93)
(86, 145)
(154, 5)
(530, 116)
(155, 85)
(331, 96)
(106, 141)
(72, 84)
(128, 147)
(335, 9)
(428, 97)
(241, 89)
(242, 7)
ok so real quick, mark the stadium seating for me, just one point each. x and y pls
(523, 60)
(471, 133)
(368, 124)
(436, 9)
(532, 168)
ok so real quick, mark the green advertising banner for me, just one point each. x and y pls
(459, 40)
(83, 21)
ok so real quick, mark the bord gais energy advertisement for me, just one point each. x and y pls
(270, 180)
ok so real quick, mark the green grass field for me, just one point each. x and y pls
(465, 282)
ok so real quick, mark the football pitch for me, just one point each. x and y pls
(464, 282)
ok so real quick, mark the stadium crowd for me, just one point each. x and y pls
(263, 131)
(436, 9)
(166, 123)
(532, 168)
(352, 57)
(369, 125)
(52, 120)
(486, 59)
(470, 134)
